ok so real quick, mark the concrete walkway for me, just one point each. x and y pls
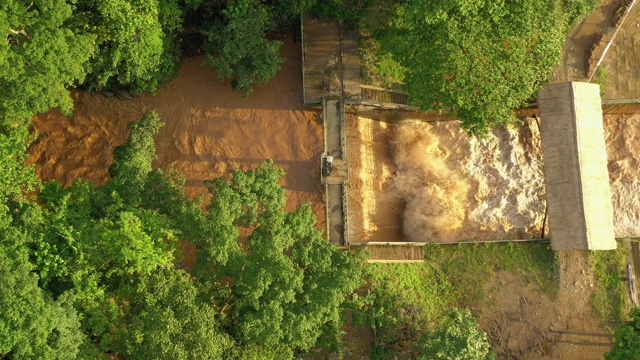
(331, 66)
(331, 75)
(335, 183)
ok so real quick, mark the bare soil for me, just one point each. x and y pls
(523, 323)
(584, 41)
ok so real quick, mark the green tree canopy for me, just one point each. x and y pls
(627, 339)
(40, 56)
(289, 285)
(32, 323)
(480, 59)
(130, 43)
(16, 175)
(456, 338)
(237, 46)
(166, 315)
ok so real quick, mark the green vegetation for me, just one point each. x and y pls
(32, 323)
(40, 57)
(611, 296)
(626, 339)
(131, 45)
(469, 266)
(237, 46)
(478, 59)
(457, 338)
(409, 305)
(601, 78)
(129, 41)
(90, 272)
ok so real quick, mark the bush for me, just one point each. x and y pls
(627, 339)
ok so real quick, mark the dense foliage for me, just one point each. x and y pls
(237, 46)
(131, 46)
(32, 323)
(627, 339)
(40, 56)
(478, 59)
(129, 41)
(456, 338)
(289, 283)
(90, 272)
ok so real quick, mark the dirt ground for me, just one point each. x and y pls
(523, 323)
(208, 129)
(582, 38)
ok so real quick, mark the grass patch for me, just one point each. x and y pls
(601, 78)
(402, 303)
(404, 300)
(378, 68)
(610, 299)
(468, 267)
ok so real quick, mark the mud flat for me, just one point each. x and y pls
(208, 129)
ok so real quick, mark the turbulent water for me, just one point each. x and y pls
(457, 187)
(436, 183)
(622, 137)
(408, 181)
(208, 129)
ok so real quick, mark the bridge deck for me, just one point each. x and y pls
(335, 183)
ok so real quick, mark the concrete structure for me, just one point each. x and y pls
(335, 183)
(575, 167)
(330, 61)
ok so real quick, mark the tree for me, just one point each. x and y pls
(166, 316)
(132, 160)
(237, 47)
(289, 285)
(478, 59)
(32, 324)
(109, 253)
(456, 338)
(91, 236)
(130, 43)
(16, 175)
(40, 57)
(627, 339)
